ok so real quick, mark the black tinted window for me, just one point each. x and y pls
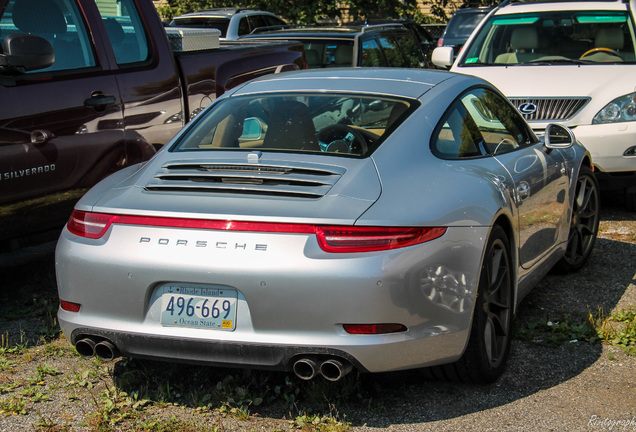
(411, 50)
(480, 123)
(125, 32)
(273, 21)
(394, 57)
(59, 22)
(372, 54)
(257, 21)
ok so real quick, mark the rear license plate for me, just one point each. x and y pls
(201, 307)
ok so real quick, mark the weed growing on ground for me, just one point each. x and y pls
(8, 347)
(618, 329)
(13, 406)
(319, 423)
(556, 331)
(173, 425)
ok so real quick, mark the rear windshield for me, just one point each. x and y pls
(343, 125)
(578, 37)
(462, 25)
(202, 22)
(323, 53)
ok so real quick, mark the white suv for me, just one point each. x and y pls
(568, 62)
(232, 22)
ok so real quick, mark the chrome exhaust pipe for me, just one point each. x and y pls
(306, 368)
(105, 350)
(334, 369)
(85, 347)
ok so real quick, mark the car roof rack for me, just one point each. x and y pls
(272, 28)
(226, 9)
(376, 27)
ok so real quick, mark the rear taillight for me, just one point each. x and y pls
(336, 239)
(90, 225)
(369, 239)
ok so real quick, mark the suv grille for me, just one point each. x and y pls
(547, 109)
(238, 178)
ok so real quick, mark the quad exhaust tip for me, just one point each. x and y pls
(86, 347)
(331, 369)
(89, 347)
(306, 368)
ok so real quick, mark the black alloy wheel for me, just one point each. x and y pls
(584, 223)
(492, 321)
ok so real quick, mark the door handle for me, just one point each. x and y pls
(99, 100)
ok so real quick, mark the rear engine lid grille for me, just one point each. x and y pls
(549, 109)
(297, 180)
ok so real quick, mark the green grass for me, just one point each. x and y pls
(319, 423)
(617, 329)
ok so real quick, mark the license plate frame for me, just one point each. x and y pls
(203, 307)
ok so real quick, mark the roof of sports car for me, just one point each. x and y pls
(411, 83)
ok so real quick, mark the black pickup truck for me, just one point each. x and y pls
(90, 86)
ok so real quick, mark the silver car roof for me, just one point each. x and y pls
(410, 83)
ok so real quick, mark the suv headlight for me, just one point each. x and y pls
(622, 109)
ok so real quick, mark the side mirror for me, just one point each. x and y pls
(252, 129)
(443, 57)
(557, 136)
(25, 52)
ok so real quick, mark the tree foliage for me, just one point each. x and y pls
(310, 11)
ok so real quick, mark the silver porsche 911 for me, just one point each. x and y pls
(330, 220)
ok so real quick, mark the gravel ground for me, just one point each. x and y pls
(573, 386)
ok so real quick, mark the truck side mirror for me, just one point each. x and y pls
(25, 52)
(443, 57)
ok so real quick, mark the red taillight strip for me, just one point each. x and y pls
(369, 239)
(95, 225)
(336, 239)
(89, 225)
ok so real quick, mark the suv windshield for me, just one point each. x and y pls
(554, 37)
(350, 125)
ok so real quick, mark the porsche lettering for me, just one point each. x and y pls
(203, 244)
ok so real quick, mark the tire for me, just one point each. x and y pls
(489, 344)
(584, 221)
